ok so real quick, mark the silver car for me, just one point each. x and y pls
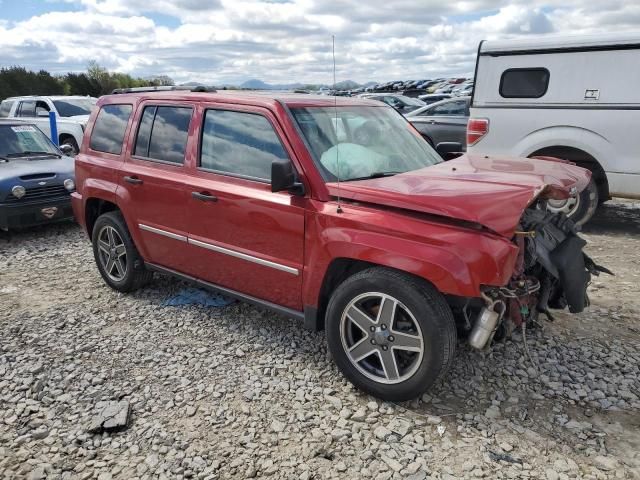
(444, 121)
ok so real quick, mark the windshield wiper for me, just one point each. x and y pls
(374, 175)
(31, 152)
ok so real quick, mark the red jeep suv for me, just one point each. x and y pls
(335, 211)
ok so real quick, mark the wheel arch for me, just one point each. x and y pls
(339, 270)
(94, 207)
(64, 136)
(581, 158)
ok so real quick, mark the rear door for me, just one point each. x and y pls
(152, 181)
(244, 236)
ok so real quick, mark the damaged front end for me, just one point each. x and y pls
(551, 272)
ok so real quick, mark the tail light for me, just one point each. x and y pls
(476, 129)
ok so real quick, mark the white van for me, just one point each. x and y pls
(574, 98)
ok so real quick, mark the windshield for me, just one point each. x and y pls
(364, 141)
(74, 106)
(15, 140)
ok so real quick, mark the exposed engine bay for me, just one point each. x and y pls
(551, 272)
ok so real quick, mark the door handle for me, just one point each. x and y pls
(133, 180)
(204, 197)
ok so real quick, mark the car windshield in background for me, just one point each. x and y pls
(75, 106)
(23, 140)
(365, 142)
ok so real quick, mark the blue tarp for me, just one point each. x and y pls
(197, 296)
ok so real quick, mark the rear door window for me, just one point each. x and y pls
(240, 144)
(109, 128)
(27, 109)
(163, 132)
(524, 82)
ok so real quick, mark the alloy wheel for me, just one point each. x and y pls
(112, 253)
(381, 338)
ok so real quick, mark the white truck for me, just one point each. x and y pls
(72, 114)
(569, 97)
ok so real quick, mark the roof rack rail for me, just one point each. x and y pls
(164, 88)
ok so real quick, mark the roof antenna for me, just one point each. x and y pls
(335, 111)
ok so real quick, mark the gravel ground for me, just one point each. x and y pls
(238, 392)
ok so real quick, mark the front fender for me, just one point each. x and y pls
(455, 260)
(70, 128)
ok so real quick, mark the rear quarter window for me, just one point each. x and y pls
(109, 128)
(524, 83)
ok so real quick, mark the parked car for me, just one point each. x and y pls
(401, 103)
(333, 211)
(444, 121)
(430, 98)
(463, 90)
(433, 88)
(447, 88)
(563, 97)
(36, 178)
(72, 114)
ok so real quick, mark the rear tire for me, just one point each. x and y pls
(404, 342)
(117, 258)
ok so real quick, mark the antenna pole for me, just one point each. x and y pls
(335, 110)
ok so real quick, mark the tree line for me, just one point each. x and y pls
(97, 80)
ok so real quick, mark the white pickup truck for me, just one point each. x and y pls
(571, 97)
(72, 114)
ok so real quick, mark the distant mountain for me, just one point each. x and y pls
(260, 85)
(256, 84)
(347, 85)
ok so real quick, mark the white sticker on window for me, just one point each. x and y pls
(23, 128)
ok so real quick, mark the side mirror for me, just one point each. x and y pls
(449, 150)
(283, 177)
(66, 149)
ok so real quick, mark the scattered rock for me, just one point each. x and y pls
(278, 426)
(110, 416)
(605, 463)
(382, 433)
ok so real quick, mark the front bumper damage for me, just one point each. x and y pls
(551, 272)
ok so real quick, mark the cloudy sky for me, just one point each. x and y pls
(279, 41)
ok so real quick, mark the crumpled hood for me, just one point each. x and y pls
(489, 190)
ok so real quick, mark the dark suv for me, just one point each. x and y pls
(332, 210)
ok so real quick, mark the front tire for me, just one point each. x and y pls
(390, 334)
(72, 143)
(117, 258)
